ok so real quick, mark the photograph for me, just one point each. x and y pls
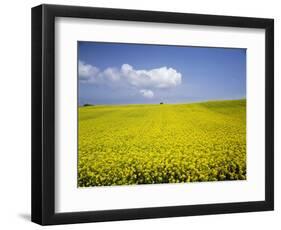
(154, 114)
(140, 114)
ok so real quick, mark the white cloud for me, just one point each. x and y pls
(147, 93)
(87, 72)
(142, 80)
(111, 74)
(162, 77)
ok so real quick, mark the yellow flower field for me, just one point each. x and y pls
(169, 143)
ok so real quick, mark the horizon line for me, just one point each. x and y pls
(176, 103)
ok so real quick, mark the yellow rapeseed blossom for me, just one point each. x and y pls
(169, 143)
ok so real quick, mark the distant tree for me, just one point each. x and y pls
(87, 105)
(161, 103)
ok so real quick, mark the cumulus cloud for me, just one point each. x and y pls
(162, 77)
(147, 93)
(143, 80)
(86, 72)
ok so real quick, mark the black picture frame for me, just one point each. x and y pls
(43, 114)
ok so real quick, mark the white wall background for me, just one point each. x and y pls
(15, 114)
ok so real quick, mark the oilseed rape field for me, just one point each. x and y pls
(161, 143)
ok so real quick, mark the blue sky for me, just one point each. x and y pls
(114, 73)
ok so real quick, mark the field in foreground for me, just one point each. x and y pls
(172, 143)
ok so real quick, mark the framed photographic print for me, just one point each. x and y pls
(142, 114)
